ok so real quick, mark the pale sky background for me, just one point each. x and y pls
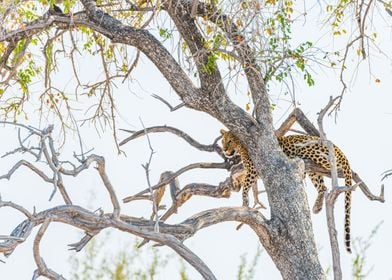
(362, 131)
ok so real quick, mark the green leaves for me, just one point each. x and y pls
(308, 78)
(165, 33)
(210, 66)
(26, 75)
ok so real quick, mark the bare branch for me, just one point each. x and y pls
(30, 166)
(20, 208)
(78, 246)
(332, 195)
(299, 116)
(153, 193)
(133, 66)
(90, 222)
(172, 109)
(158, 129)
(109, 187)
(206, 165)
(42, 268)
(327, 143)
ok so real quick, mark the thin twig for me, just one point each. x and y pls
(172, 108)
(146, 167)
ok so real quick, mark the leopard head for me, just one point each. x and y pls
(230, 142)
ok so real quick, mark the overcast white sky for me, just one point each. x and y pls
(362, 131)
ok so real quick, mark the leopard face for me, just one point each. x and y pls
(230, 143)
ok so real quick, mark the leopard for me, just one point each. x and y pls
(305, 147)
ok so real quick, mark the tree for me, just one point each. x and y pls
(248, 39)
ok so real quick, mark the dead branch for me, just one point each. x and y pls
(206, 165)
(169, 235)
(331, 195)
(109, 187)
(297, 116)
(154, 194)
(172, 108)
(42, 269)
(20, 208)
(92, 223)
(158, 129)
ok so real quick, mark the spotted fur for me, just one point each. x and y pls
(304, 147)
(232, 144)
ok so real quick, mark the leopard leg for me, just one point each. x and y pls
(249, 180)
(255, 191)
(318, 182)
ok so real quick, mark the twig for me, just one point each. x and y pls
(15, 206)
(172, 109)
(146, 167)
(133, 65)
(78, 246)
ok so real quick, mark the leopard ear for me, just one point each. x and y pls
(223, 132)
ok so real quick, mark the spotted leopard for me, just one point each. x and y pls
(304, 147)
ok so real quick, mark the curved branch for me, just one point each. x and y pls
(109, 187)
(15, 206)
(170, 235)
(156, 129)
(42, 268)
(28, 165)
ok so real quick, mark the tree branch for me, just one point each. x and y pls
(42, 269)
(157, 129)
(203, 165)
(331, 195)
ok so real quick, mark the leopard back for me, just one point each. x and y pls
(310, 147)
